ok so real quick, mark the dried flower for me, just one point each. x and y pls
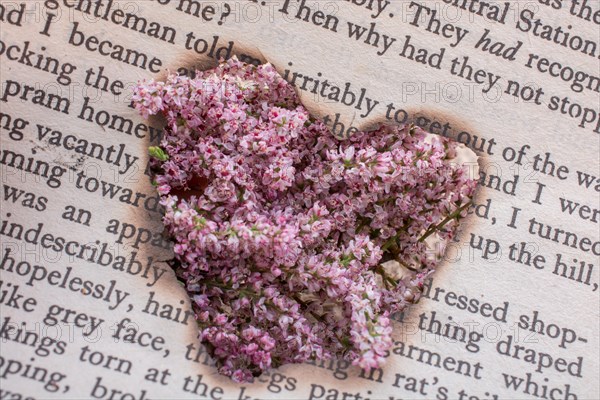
(282, 231)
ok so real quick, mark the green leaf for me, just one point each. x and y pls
(158, 153)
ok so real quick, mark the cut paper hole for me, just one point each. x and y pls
(294, 245)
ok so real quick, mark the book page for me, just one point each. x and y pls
(90, 308)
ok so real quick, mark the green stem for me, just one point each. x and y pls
(386, 278)
(449, 218)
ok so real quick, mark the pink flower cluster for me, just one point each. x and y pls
(285, 234)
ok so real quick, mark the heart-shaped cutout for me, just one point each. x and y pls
(293, 244)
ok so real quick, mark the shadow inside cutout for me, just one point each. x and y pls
(421, 117)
